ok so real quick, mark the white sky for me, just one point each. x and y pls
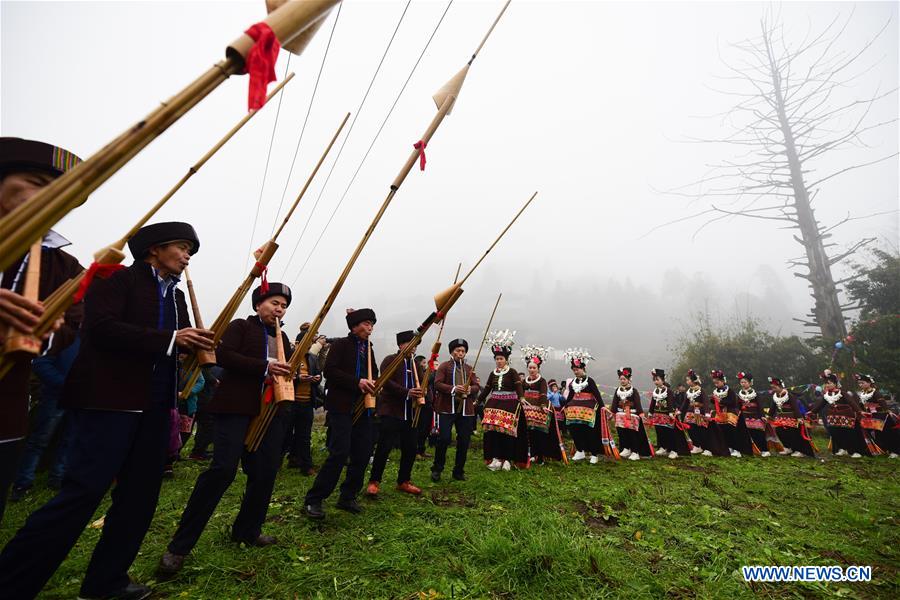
(583, 101)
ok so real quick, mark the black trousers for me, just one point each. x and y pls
(393, 433)
(127, 447)
(206, 431)
(301, 445)
(586, 438)
(261, 468)
(346, 441)
(424, 428)
(464, 428)
(9, 462)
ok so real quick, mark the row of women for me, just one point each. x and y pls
(520, 428)
(123, 385)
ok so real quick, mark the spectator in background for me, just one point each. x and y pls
(51, 369)
(557, 400)
(306, 393)
(206, 425)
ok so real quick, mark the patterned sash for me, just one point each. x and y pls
(659, 420)
(628, 421)
(499, 419)
(785, 422)
(538, 418)
(842, 421)
(727, 418)
(873, 422)
(696, 419)
(754, 423)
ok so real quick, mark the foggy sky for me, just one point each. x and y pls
(585, 102)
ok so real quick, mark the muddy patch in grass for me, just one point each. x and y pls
(597, 515)
(451, 498)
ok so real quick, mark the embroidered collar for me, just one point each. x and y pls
(832, 397)
(579, 386)
(722, 393)
(866, 396)
(624, 394)
(780, 400)
(694, 394)
(747, 395)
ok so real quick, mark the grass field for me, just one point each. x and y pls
(650, 529)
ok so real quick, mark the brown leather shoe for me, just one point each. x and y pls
(169, 564)
(372, 489)
(409, 488)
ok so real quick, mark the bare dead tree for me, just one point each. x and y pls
(788, 116)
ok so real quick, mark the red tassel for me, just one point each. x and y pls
(420, 146)
(269, 392)
(264, 284)
(260, 63)
(432, 362)
(101, 270)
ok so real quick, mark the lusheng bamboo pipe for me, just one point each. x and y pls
(484, 337)
(444, 100)
(284, 387)
(206, 358)
(444, 301)
(263, 256)
(33, 219)
(435, 350)
(59, 302)
(18, 345)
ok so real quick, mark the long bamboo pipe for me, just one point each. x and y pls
(263, 256)
(486, 330)
(435, 349)
(444, 99)
(206, 358)
(444, 301)
(58, 303)
(34, 218)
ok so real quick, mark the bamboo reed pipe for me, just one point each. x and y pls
(33, 219)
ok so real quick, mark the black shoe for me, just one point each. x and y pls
(459, 476)
(18, 493)
(169, 564)
(351, 506)
(132, 591)
(315, 511)
(259, 541)
(435, 476)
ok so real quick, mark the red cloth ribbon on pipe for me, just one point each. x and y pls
(101, 270)
(432, 362)
(264, 278)
(260, 63)
(269, 392)
(420, 146)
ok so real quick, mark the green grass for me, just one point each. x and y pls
(648, 529)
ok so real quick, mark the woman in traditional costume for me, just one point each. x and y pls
(706, 436)
(728, 416)
(543, 433)
(785, 417)
(505, 431)
(842, 418)
(877, 421)
(752, 413)
(626, 405)
(584, 406)
(663, 415)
